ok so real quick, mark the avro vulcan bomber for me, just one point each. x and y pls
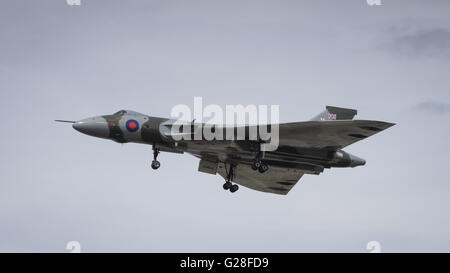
(306, 147)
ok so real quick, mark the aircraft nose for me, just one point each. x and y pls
(356, 161)
(95, 126)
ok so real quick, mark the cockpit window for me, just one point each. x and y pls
(128, 112)
(121, 112)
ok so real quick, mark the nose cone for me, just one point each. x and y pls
(96, 126)
(356, 161)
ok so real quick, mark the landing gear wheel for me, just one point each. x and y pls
(263, 168)
(256, 165)
(227, 185)
(155, 164)
(230, 174)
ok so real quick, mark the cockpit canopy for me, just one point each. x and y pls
(127, 112)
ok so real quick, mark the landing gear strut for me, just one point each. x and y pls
(155, 163)
(230, 174)
(257, 163)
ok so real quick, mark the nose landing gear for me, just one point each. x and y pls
(155, 163)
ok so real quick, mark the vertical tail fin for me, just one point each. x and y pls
(335, 113)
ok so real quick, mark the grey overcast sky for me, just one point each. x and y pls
(391, 62)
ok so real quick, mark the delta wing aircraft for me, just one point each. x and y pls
(304, 147)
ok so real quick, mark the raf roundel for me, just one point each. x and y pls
(132, 125)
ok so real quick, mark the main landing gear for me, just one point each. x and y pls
(257, 163)
(155, 163)
(228, 185)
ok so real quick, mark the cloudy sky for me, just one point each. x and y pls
(390, 62)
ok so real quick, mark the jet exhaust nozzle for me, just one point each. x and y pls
(356, 161)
